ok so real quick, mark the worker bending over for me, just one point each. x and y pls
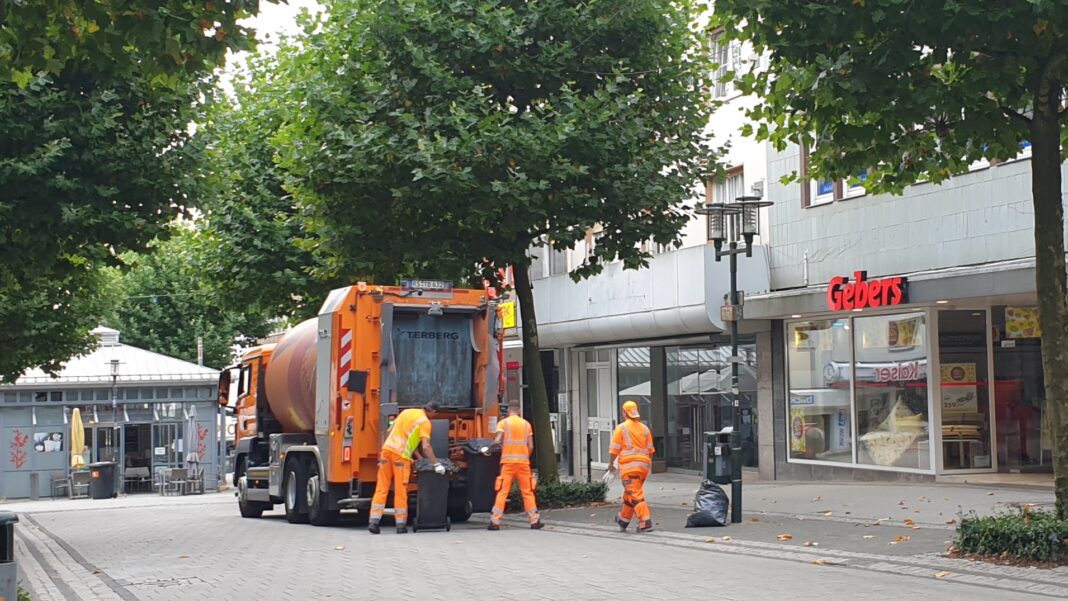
(632, 443)
(516, 439)
(411, 430)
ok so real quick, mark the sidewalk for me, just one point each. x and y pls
(885, 518)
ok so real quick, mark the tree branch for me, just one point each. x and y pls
(1013, 115)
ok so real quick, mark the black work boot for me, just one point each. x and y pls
(402, 530)
(646, 526)
(494, 527)
(373, 528)
(537, 525)
(622, 525)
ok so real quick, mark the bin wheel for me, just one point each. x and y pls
(415, 528)
(448, 524)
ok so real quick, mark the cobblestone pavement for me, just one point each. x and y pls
(195, 549)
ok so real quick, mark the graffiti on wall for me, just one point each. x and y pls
(202, 446)
(18, 448)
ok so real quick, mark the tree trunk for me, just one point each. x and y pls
(1050, 277)
(543, 433)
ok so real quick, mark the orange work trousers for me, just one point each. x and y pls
(392, 468)
(520, 472)
(634, 494)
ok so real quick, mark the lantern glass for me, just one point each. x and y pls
(750, 221)
(716, 226)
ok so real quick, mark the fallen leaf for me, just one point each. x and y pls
(914, 527)
(869, 536)
(900, 538)
(900, 502)
(909, 522)
(593, 515)
(785, 537)
(821, 562)
(726, 539)
(818, 499)
(183, 557)
(710, 540)
(953, 521)
(989, 494)
(339, 548)
(828, 514)
(754, 520)
(809, 543)
(941, 574)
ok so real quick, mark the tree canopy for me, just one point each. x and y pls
(428, 135)
(907, 91)
(96, 101)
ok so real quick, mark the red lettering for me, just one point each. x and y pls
(875, 293)
(847, 296)
(843, 294)
(834, 293)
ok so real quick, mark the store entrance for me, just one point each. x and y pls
(1023, 441)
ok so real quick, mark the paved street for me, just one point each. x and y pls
(147, 548)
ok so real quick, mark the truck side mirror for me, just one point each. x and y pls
(224, 387)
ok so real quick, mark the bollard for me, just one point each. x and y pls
(9, 571)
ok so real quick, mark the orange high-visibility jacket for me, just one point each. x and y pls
(633, 442)
(514, 446)
(411, 426)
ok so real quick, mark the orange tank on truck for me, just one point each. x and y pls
(313, 408)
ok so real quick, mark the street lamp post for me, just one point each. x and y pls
(745, 214)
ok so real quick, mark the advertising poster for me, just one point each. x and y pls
(797, 429)
(903, 332)
(48, 442)
(959, 392)
(1022, 322)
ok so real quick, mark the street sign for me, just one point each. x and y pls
(728, 313)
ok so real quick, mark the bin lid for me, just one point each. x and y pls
(7, 517)
(102, 464)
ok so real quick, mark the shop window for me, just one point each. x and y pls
(43, 396)
(11, 397)
(890, 370)
(103, 394)
(819, 418)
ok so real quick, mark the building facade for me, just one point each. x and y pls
(904, 334)
(655, 335)
(136, 407)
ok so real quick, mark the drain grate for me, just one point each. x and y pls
(161, 582)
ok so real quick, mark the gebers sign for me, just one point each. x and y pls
(862, 293)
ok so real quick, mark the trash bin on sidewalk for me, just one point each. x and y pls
(482, 471)
(9, 571)
(102, 480)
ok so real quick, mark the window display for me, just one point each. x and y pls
(818, 359)
(891, 390)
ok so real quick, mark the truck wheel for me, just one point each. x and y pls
(294, 484)
(249, 509)
(239, 468)
(318, 514)
(461, 511)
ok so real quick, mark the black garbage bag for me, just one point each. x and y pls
(425, 465)
(709, 507)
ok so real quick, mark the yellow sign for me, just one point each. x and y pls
(507, 311)
(1022, 322)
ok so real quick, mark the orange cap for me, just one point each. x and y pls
(630, 409)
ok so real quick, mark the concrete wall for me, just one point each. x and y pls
(980, 217)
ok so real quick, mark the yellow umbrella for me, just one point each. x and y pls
(77, 439)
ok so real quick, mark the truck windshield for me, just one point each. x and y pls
(434, 357)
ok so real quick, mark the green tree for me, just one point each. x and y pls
(430, 135)
(94, 123)
(166, 300)
(255, 253)
(919, 90)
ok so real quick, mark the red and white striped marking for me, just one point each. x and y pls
(344, 358)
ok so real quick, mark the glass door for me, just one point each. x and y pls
(600, 409)
(964, 390)
(105, 444)
(167, 445)
(1024, 443)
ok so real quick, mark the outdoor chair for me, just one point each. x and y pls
(79, 484)
(196, 479)
(137, 478)
(177, 481)
(60, 483)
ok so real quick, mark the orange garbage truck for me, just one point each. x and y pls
(313, 409)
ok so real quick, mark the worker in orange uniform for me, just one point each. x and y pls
(411, 430)
(516, 439)
(632, 444)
